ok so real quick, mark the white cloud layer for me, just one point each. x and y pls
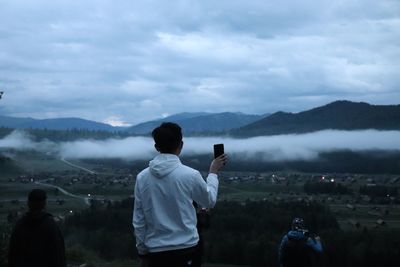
(137, 60)
(267, 148)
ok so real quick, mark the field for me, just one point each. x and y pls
(107, 181)
(349, 211)
(74, 185)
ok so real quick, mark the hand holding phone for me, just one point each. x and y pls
(219, 158)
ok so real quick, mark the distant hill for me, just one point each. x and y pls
(148, 126)
(55, 124)
(199, 122)
(340, 115)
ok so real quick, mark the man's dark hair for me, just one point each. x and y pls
(298, 224)
(37, 199)
(168, 137)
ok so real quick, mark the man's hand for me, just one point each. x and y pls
(315, 239)
(218, 163)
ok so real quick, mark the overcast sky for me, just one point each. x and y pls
(128, 61)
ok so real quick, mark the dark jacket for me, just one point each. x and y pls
(36, 240)
(298, 250)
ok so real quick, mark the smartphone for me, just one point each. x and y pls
(218, 150)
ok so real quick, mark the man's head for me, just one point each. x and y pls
(298, 224)
(37, 200)
(168, 138)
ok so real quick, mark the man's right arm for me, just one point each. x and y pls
(282, 247)
(13, 248)
(205, 192)
(139, 223)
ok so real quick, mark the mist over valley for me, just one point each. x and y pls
(267, 148)
(342, 136)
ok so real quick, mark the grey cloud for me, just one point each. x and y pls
(139, 59)
(21, 140)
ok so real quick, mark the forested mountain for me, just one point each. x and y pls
(148, 126)
(340, 115)
(55, 124)
(200, 122)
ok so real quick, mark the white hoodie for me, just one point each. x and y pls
(164, 217)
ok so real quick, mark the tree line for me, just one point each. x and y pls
(65, 135)
(311, 187)
(379, 190)
(240, 233)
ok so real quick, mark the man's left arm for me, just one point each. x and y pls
(315, 244)
(205, 192)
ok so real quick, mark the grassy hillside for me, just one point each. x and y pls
(8, 168)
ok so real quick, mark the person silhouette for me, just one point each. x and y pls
(297, 248)
(36, 240)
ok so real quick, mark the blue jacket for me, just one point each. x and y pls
(300, 247)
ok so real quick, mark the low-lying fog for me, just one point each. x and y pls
(267, 148)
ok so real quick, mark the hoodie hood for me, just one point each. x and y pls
(296, 235)
(164, 164)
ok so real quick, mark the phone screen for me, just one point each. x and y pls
(218, 150)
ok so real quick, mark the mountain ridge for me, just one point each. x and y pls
(54, 124)
(338, 115)
(200, 123)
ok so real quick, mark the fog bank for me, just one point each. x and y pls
(266, 148)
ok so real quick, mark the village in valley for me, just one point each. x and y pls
(357, 200)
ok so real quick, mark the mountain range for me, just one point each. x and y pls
(200, 122)
(54, 124)
(340, 115)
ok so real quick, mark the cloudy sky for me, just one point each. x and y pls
(128, 61)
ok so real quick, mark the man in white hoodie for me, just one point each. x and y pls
(164, 218)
